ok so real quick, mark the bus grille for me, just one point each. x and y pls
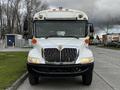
(65, 55)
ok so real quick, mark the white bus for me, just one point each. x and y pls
(60, 41)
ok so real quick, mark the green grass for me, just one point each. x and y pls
(12, 66)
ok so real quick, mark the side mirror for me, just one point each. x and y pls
(91, 27)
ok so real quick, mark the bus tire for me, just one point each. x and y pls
(87, 78)
(33, 80)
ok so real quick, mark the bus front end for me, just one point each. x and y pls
(60, 41)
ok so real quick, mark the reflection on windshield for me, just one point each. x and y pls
(60, 28)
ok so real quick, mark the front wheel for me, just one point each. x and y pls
(33, 80)
(87, 78)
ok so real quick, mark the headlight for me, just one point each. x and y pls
(86, 60)
(33, 60)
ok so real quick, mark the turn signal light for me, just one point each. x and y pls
(34, 41)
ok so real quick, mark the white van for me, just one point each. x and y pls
(60, 40)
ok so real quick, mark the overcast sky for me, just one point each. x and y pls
(101, 11)
(97, 10)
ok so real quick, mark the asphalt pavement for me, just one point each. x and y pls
(106, 75)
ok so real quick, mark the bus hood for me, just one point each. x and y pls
(60, 42)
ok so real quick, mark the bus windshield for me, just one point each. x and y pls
(60, 28)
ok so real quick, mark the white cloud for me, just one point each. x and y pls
(97, 9)
(107, 8)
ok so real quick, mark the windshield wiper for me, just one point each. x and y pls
(72, 36)
(61, 36)
(51, 36)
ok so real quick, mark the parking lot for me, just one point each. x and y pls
(106, 75)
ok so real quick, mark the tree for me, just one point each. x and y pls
(32, 6)
(11, 18)
(0, 19)
(11, 11)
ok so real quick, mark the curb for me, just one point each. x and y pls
(17, 83)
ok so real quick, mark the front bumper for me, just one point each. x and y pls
(59, 70)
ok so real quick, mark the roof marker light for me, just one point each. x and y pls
(60, 8)
(36, 18)
(40, 16)
(66, 9)
(54, 9)
(84, 18)
(80, 16)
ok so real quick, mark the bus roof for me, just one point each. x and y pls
(60, 14)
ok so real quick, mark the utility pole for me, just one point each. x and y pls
(107, 28)
(0, 18)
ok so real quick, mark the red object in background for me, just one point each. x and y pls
(87, 41)
(34, 41)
